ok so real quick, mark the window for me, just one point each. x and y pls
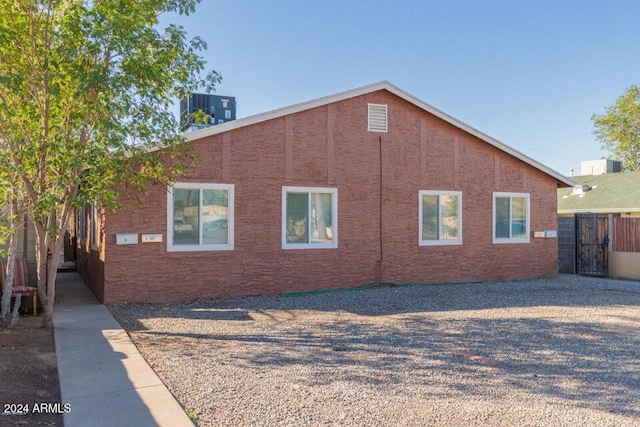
(377, 118)
(440, 218)
(82, 225)
(200, 217)
(510, 218)
(309, 218)
(93, 238)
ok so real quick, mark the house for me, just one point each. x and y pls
(599, 222)
(368, 185)
(608, 193)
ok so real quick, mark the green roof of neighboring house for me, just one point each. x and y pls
(607, 193)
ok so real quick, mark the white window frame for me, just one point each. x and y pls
(334, 214)
(500, 240)
(439, 242)
(94, 237)
(200, 247)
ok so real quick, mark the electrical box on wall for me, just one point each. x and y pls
(126, 239)
(545, 234)
(151, 238)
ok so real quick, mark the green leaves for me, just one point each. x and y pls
(619, 128)
(85, 90)
(84, 87)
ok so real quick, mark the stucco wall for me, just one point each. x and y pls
(330, 146)
(624, 265)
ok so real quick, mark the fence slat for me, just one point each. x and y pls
(626, 235)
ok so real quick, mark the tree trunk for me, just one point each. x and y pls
(41, 269)
(5, 311)
(47, 256)
(48, 246)
(16, 307)
(53, 249)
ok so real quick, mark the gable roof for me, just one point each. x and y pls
(383, 85)
(608, 193)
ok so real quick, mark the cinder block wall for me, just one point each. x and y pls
(567, 244)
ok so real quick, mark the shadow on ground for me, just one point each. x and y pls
(546, 339)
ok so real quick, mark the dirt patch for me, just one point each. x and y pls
(29, 376)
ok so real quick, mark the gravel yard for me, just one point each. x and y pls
(562, 352)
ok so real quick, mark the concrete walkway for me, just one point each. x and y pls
(102, 374)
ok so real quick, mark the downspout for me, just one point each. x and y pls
(380, 262)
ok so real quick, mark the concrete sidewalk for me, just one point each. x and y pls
(102, 374)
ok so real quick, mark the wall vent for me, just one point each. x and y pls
(377, 117)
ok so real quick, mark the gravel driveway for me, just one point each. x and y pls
(562, 352)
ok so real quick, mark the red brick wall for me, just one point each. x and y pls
(329, 146)
(458, 161)
(90, 261)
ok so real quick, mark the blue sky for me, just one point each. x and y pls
(529, 74)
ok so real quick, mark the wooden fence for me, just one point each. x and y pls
(626, 235)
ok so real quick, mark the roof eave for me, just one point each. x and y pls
(284, 111)
(562, 180)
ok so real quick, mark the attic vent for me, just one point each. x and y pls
(377, 117)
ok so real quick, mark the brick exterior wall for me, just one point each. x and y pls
(90, 261)
(330, 146)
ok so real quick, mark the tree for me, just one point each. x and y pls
(12, 211)
(618, 129)
(85, 89)
(10, 214)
